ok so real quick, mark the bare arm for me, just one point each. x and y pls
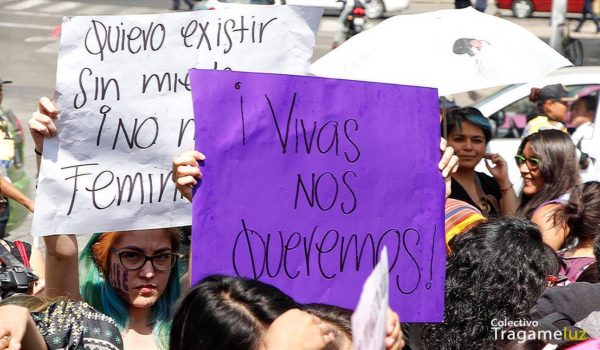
(17, 329)
(499, 170)
(509, 202)
(62, 276)
(13, 193)
(62, 279)
(553, 235)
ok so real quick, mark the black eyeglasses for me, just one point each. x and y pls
(532, 162)
(134, 261)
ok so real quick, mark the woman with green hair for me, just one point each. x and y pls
(130, 276)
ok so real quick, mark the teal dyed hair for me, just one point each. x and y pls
(455, 116)
(98, 292)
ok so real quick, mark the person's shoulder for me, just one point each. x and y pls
(540, 119)
(576, 299)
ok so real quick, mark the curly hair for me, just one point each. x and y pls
(497, 272)
(559, 168)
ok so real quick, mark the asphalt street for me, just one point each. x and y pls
(28, 51)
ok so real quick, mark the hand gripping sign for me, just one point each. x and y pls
(306, 180)
(123, 93)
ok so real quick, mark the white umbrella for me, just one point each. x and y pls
(452, 50)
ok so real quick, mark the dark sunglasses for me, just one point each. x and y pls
(532, 162)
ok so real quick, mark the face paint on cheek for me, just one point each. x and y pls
(126, 280)
(112, 275)
(118, 276)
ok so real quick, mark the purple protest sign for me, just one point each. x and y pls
(306, 180)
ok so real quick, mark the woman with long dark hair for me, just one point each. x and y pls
(548, 164)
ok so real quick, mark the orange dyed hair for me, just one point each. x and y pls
(101, 250)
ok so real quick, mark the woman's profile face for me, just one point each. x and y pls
(137, 280)
(533, 180)
(468, 143)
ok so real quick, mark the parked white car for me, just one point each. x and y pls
(373, 8)
(510, 107)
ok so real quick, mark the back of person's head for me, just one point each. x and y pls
(227, 313)
(582, 213)
(459, 218)
(559, 167)
(456, 116)
(34, 303)
(497, 271)
(339, 319)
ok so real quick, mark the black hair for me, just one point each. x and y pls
(498, 271)
(455, 116)
(582, 213)
(227, 313)
(337, 317)
(597, 254)
(590, 101)
(559, 167)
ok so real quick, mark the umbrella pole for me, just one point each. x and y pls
(444, 123)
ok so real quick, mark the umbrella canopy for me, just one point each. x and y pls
(452, 50)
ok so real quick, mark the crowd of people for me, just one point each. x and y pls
(526, 255)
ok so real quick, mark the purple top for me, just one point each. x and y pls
(573, 267)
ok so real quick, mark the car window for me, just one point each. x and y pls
(511, 120)
(253, 2)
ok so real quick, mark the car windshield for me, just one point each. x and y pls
(496, 94)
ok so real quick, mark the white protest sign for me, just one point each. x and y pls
(369, 318)
(126, 110)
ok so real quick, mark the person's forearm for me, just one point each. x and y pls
(13, 193)
(509, 202)
(62, 274)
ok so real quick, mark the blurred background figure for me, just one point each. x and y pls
(582, 116)
(588, 9)
(552, 104)
(7, 154)
(583, 111)
(176, 4)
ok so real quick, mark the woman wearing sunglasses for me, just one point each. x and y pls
(468, 134)
(548, 164)
(133, 276)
